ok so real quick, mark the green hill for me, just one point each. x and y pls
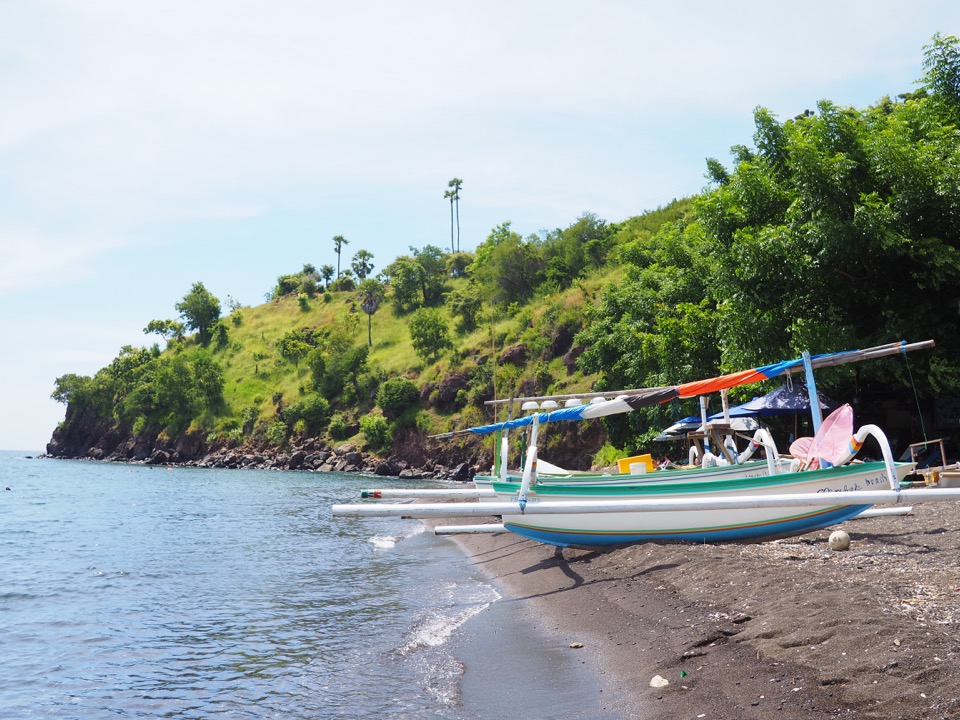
(837, 229)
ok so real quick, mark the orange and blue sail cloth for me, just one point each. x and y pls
(636, 399)
(746, 377)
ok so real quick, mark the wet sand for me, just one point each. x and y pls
(787, 628)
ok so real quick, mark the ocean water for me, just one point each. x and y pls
(134, 591)
(140, 591)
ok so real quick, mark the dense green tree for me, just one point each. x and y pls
(941, 64)
(418, 279)
(377, 431)
(507, 267)
(655, 327)
(286, 284)
(465, 304)
(313, 411)
(200, 310)
(841, 230)
(317, 363)
(341, 368)
(70, 387)
(129, 368)
(167, 329)
(396, 395)
(85, 395)
(434, 264)
(166, 391)
(458, 263)
(326, 272)
(295, 345)
(208, 379)
(405, 278)
(568, 254)
(429, 334)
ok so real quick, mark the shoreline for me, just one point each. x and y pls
(748, 630)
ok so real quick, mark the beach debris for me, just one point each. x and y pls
(658, 682)
(839, 540)
(576, 645)
(683, 673)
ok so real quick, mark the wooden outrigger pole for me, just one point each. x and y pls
(480, 509)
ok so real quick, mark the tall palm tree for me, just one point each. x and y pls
(450, 194)
(456, 183)
(338, 242)
(371, 295)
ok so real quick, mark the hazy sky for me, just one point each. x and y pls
(145, 146)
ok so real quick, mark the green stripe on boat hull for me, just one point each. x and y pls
(780, 527)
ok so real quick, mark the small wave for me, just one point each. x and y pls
(437, 625)
(386, 542)
(382, 542)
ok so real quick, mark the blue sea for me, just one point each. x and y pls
(134, 591)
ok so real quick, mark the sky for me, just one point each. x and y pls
(146, 146)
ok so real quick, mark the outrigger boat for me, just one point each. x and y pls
(698, 508)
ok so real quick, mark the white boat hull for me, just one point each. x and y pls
(701, 525)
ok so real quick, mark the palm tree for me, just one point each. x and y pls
(371, 295)
(450, 194)
(456, 184)
(338, 242)
(326, 272)
(362, 264)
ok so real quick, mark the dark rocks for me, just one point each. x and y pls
(462, 473)
(158, 457)
(306, 455)
(296, 460)
(388, 468)
(190, 446)
(560, 342)
(450, 387)
(569, 360)
(514, 355)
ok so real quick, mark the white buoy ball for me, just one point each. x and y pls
(839, 540)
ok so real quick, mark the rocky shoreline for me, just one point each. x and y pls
(310, 455)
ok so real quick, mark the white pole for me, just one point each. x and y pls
(469, 529)
(728, 442)
(575, 507)
(505, 446)
(703, 422)
(530, 468)
(880, 512)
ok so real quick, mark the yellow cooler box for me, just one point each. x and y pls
(624, 465)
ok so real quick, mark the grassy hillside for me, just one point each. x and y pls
(256, 376)
(275, 398)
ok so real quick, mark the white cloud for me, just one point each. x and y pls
(33, 261)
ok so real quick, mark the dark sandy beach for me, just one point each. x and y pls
(787, 629)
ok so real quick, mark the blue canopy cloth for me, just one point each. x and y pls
(785, 400)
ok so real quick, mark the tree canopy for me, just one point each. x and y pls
(200, 310)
